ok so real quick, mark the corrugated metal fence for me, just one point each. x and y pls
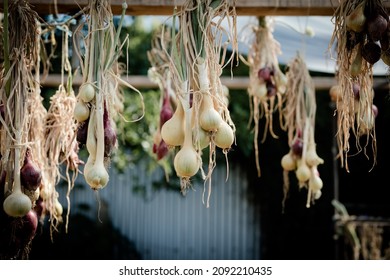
(168, 225)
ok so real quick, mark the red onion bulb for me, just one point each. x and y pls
(30, 173)
(297, 147)
(166, 110)
(109, 134)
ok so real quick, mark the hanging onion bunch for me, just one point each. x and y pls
(21, 165)
(299, 113)
(366, 24)
(197, 56)
(94, 108)
(361, 34)
(61, 146)
(267, 82)
(35, 156)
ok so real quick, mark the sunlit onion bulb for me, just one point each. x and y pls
(81, 111)
(356, 20)
(87, 92)
(209, 118)
(302, 172)
(315, 183)
(17, 204)
(172, 131)
(186, 162)
(288, 162)
(224, 137)
(204, 138)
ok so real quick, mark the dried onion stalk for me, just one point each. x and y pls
(197, 56)
(354, 115)
(299, 114)
(61, 146)
(267, 83)
(101, 73)
(18, 140)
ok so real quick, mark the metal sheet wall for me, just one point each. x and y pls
(168, 225)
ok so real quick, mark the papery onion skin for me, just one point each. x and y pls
(88, 165)
(81, 111)
(29, 225)
(288, 162)
(204, 138)
(186, 162)
(58, 208)
(356, 20)
(17, 204)
(260, 91)
(224, 137)
(315, 183)
(371, 52)
(297, 147)
(375, 110)
(165, 115)
(271, 89)
(172, 131)
(281, 82)
(82, 132)
(303, 172)
(376, 27)
(87, 92)
(356, 91)
(312, 158)
(209, 118)
(30, 173)
(97, 176)
(18, 234)
(166, 110)
(161, 150)
(265, 73)
(356, 66)
(335, 93)
(110, 138)
(40, 207)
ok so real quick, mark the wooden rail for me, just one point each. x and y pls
(165, 7)
(139, 82)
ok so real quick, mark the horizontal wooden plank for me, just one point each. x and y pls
(140, 82)
(165, 7)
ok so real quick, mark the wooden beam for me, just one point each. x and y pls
(139, 82)
(165, 7)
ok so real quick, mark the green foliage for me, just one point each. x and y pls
(136, 130)
(137, 46)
